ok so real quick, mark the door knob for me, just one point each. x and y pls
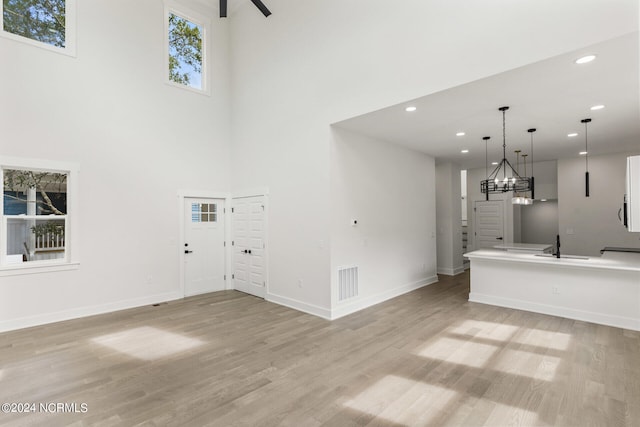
(498, 238)
(187, 252)
(249, 250)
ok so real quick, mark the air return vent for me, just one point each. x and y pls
(347, 283)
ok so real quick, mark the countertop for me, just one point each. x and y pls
(524, 246)
(591, 262)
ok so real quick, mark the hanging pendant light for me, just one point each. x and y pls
(533, 187)
(486, 160)
(509, 180)
(586, 157)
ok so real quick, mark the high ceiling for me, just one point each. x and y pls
(551, 95)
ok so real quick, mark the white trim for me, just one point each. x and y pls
(70, 36)
(299, 305)
(554, 310)
(349, 307)
(451, 271)
(203, 194)
(171, 7)
(42, 319)
(252, 192)
(39, 267)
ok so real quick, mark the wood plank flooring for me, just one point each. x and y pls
(228, 359)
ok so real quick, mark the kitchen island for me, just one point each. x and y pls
(594, 289)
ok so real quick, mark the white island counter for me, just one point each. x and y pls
(593, 289)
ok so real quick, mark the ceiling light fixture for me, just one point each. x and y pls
(464, 151)
(586, 157)
(597, 107)
(585, 59)
(494, 163)
(583, 153)
(410, 109)
(460, 134)
(571, 135)
(509, 180)
(543, 200)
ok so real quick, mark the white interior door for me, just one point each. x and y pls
(249, 264)
(489, 223)
(204, 250)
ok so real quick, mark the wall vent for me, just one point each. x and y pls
(347, 283)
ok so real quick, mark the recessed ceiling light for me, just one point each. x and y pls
(410, 109)
(571, 135)
(582, 153)
(543, 200)
(494, 163)
(464, 151)
(585, 59)
(460, 134)
(597, 107)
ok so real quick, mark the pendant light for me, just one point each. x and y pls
(509, 179)
(486, 160)
(533, 187)
(586, 157)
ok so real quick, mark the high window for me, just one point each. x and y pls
(44, 23)
(186, 50)
(36, 214)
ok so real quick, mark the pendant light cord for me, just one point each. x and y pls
(586, 147)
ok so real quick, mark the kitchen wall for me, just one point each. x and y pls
(539, 222)
(390, 191)
(588, 224)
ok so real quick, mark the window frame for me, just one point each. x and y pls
(199, 20)
(69, 37)
(71, 259)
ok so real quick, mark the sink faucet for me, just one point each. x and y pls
(557, 246)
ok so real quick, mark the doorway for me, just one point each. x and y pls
(204, 245)
(249, 245)
(488, 223)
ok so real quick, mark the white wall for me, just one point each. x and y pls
(449, 219)
(390, 191)
(317, 62)
(588, 224)
(539, 222)
(137, 141)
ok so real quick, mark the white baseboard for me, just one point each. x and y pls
(58, 316)
(451, 271)
(299, 305)
(347, 308)
(569, 313)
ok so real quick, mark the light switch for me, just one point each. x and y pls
(569, 230)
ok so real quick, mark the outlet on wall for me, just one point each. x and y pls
(555, 290)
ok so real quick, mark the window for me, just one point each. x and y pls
(204, 212)
(44, 23)
(186, 50)
(36, 214)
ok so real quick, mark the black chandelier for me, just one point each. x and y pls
(509, 179)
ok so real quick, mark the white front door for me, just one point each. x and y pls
(489, 223)
(204, 251)
(249, 264)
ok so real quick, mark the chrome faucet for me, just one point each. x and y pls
(557, 246)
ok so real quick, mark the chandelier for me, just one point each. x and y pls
(504, 177)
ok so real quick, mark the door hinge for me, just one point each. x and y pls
(225, 277)
(233, 276)
(225, 244)
(224, 210)
(232, 211)
(263, 246)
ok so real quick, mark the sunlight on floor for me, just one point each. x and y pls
(501, 332)
(527, 364)
(490, 330)
(147, 343)
(402, 401)
(459, 351)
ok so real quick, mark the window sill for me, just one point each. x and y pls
(14, 270)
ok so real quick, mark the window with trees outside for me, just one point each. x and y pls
(36, 215)
(186, 48)
(44, 23)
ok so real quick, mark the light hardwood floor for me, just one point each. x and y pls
(426, 358)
